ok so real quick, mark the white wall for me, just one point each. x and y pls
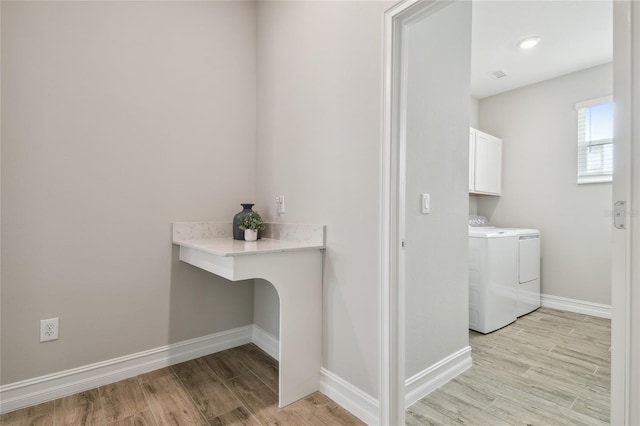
(437, 156)
(319, 111)
(118, 119)
(538, 125)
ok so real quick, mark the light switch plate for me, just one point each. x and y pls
(425, 203)
(280, 204)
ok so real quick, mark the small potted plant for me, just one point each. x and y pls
(251, 224)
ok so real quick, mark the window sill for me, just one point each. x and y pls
(595, 179)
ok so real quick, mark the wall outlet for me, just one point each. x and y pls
(48, 329)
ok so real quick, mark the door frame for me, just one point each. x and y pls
(625, 274)
(392, 319)
(625, 372)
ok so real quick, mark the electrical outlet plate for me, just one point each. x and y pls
(48, 329)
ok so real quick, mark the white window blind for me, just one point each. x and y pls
(595, 140)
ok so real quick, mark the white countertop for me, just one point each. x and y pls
(215, 238)
(231, 247)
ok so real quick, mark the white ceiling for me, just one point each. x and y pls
(576, 34)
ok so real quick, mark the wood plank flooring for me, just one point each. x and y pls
(234, 387)
(548, 368)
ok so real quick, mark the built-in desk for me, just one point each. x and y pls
(289, 256)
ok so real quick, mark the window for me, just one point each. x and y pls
(595, 140)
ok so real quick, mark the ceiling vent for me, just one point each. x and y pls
(498, 74)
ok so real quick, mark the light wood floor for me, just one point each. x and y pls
(234, 387)
(548, 368)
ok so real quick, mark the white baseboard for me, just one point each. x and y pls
(266, 341)
(356, 401)
(366, 408)
(57, 385)
(425, 382)
(577, 306)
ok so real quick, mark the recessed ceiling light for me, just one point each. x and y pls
(529, 42)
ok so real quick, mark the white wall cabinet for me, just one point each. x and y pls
(485, 163)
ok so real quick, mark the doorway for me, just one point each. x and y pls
(393, 289)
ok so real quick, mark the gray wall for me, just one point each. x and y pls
(118, 119)
(538, 125)
(437, 157)
(266, 307)
(474, 113)
(319, 109)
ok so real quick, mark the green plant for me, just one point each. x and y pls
(251, 221)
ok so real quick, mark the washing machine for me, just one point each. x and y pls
(504, 281)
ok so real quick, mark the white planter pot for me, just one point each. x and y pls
(250, 235)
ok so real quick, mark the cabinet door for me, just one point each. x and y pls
(472, 162)
(488, 164)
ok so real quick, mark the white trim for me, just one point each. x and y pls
(356, 401)
(595, 179)
(390, 392)
(625, 343)
(266, 341)
(633, 320)
(592, 102)
(430, 379)
(57, 385)
(578, 306)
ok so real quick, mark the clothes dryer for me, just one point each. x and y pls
(504, 281)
